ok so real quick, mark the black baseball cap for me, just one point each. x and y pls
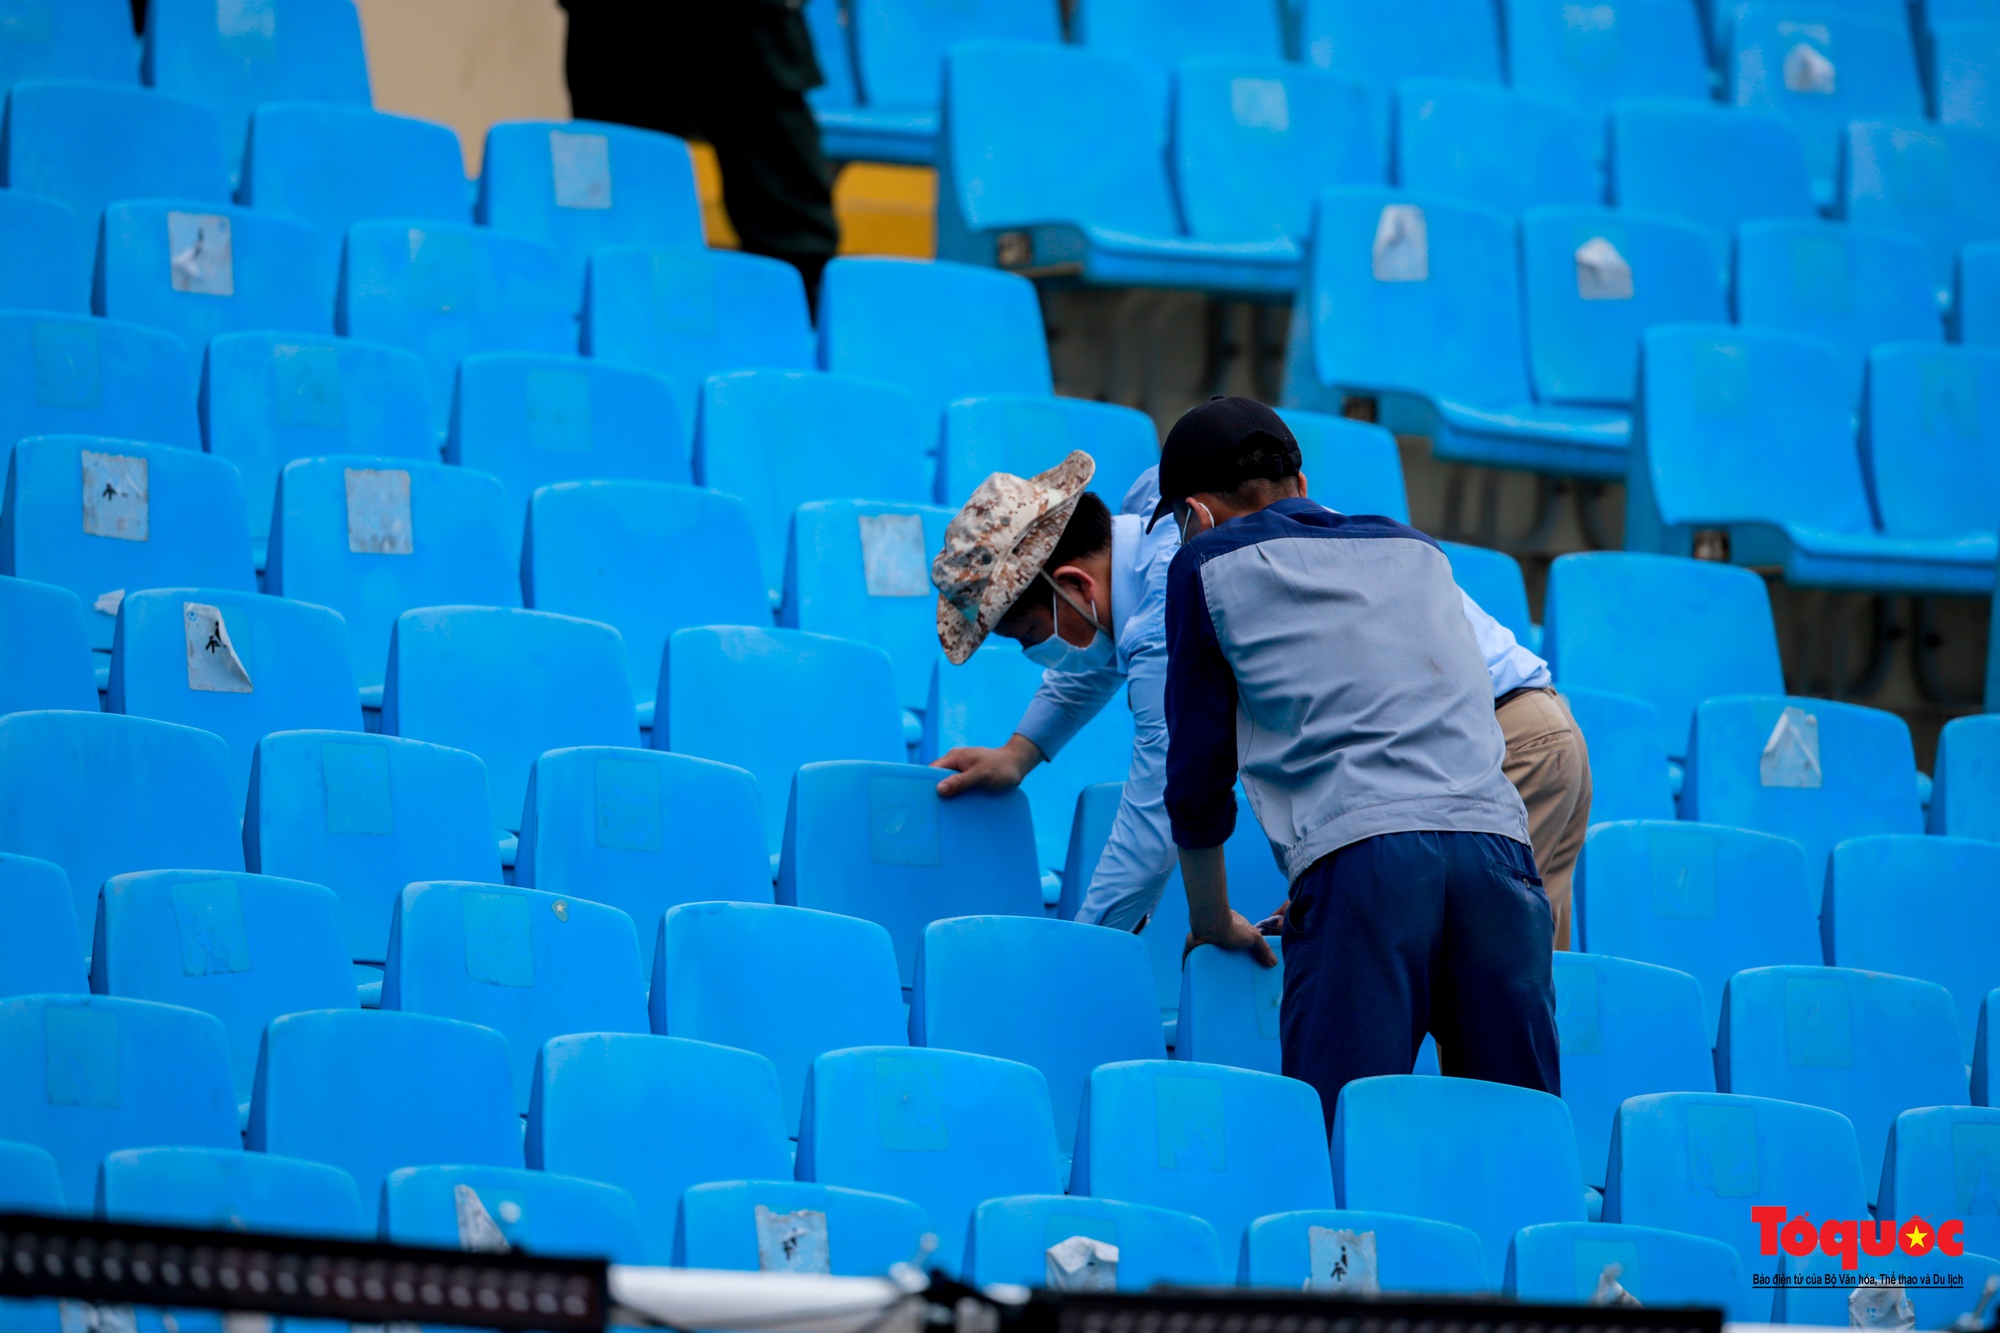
(1219, 446)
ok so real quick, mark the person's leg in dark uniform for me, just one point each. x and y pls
(1493, 999)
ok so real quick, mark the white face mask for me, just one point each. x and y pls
(1054, 654)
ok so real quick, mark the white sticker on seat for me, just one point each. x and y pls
(107, 603)
(792, 1242)
(1402, 245)
(1342, 1260)
(83, 1317)
(1791, 755)
(581, 164)
(1808, 71)
(115, 496)
(892, 555)
(201, 258)
(213, 665)
(1610, 1291)
(378, 511)
(1082, 1263)
(476, 1228)
(1260, 104)
(1884, 1306)
(1601, 272)
(246, 18)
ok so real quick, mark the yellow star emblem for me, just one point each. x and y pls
(1915, 1235)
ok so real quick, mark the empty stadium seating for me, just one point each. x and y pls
(858, 569)
(1014, 1240)
(1933, 180)
(1710, 165)
(1165, 35)
(1494, 147)
(73, 375)
(1928, 444)
(1229, 1007)
(1351, 466)
(1029, 433)
(1975, 306)
(1566, 1262)
(1962, 802)
(1963, 55)
(51, 231)
(228, 1189)
(88, 144)
(1445, 39)
(89, 39)
(1329, 1249)
(536, 1211)
(865, 1233)
(1936, 1159)
(43, 953)
(45, 659)
(1630, 776)
(1591, 56)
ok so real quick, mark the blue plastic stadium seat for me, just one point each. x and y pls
(1494, 580)
(1015, 986)
(445, 291)
(1722, 16)
(1975, 308)
(1986, 1056)
(88, 143)
(1165, 35)
(1928, 444)
(228, 1189)
(364, 815)
(74, 375)
(981, 701)
(875, 840)
(83, 39)
(1865, 1044)
(1228, 1145)
(1630, 775)
(245, 948)
(1563, 1262)
(1933, 180)
(50, 230)
(270, 664)
(861, 570)
(847, 131)
(1379, 46)
(1965, 796)
(1933, 1167)
(1029, 433)
(1228, 1012)
(1351, 466)
(1593, 280)
(1699, 1162)
(654, 1115)
(41, 952)
(1476, 143)
(943, 331)
(45, 658)
(1667, 630)
(866, 1234)
(770, 700)
(1917, 906)
(1387, 274)
(584, 185)
(1854, 286)
(946, 1130)
(1962, 57)
(1713, 166)
(528, 964)
(1487, 1156)
(332, 166)
(1701, 899)
(1592, 56)
(1748, 431)
(1940, 1289)
(270, 398)
(30, 1183)
(372, 537)
(1302, 1249)
(1842, 771)
(690, 313)
(1819, 75)
(237, 59)
(532, 1210)
(100, 795)
(822, 983)
(643, 832)
(533, 419)
(777, 439)
(88, 1075)
(506, 685)
(1052, 164)
(1624, 1028)
(1011, 1240)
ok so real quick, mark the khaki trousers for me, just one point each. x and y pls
(1549, 766)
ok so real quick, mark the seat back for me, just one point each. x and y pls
(1591, 57)
(585, 185)
(876, 841)
(866, 1234)
(1013, 1239)
(89, 39)
(1254, 142)
(52, 231)
(1722, 16)
(642, 831)
(88, 143)
(654, 1115)
(1834, 771)
(946, 1130)
(1713, 166)
(1629, 774)
(1229, 1004)
(1931, 180)
(1624, 1028)
(861, 570)
(100, 794)
(1936, 1284)
(374, 537)
(1930, 1152)
(42, 953)
(769, 701)
(239, 664)
(45, 658)
(364, 815)
(324, 1079)
(445, 291)
(1496, 148)
(531, 1210)
(506, 685)
(1303, 1249)
(1962, 57)
(1422, 39)
(1352, 466)
(196, 939)
(702, 990)
(900, 45)
(1029, 433)
(1967, 779)
(1975, 306)
(91, 1074)
(53, 380)
(229, 1189)
(1166, 34)
(618, 552)
(1565, 1261)
(1494, 580)
(1487, 1156)
(1928, 444)
(1594, 280)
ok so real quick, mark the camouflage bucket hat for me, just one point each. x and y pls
(994, 547)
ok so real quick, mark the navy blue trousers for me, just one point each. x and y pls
(1407, 933)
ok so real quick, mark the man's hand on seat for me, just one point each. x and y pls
(979, 768)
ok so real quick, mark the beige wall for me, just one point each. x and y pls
(467, 63)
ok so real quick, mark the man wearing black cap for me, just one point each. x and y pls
(1328, 659)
